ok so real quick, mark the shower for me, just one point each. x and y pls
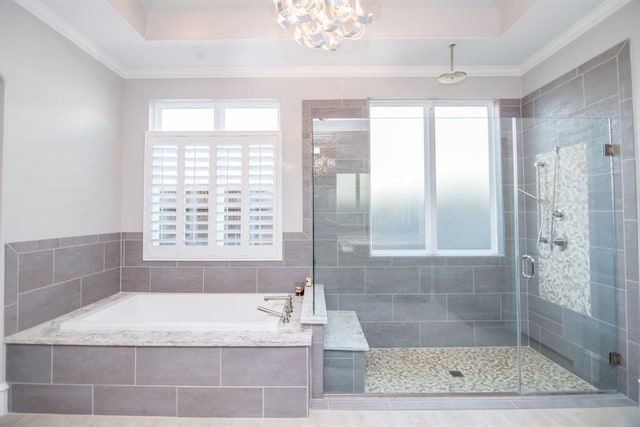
(446, 322)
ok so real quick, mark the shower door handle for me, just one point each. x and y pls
(527, 267)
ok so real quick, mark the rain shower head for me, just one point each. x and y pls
(452, 76)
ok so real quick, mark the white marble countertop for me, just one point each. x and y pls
(343, 332)
(288, 334)
(308, 316)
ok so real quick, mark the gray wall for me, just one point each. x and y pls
(216, 276)
(45, 279)
(159, 381)
(48, 278)
(62, 145)
(600, 88)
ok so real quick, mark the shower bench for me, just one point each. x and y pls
(344, 348)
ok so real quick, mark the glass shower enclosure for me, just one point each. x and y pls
(482, 269)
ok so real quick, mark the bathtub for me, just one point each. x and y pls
(180, 312)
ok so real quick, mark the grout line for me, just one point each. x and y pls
(135, 366)
(51, 365)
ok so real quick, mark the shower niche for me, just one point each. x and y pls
(562, 210)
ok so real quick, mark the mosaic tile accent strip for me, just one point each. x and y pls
(484, 370)
(564, 275)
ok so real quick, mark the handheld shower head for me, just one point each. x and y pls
(539, 164)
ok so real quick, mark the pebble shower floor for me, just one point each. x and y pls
(465, 370)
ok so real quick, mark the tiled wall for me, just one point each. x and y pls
(558, 114)
(159, 381)
(48, 278)
(316, 362)
(45, 279)
(216, 276)
(401, 302)
(343, 371)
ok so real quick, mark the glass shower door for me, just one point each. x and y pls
(435, 322)
(568, 265)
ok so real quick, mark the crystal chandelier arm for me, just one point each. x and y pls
(284, 18)
(355, 32)
(327, 21)
(309, 39)
(361, 16)
(294, 11)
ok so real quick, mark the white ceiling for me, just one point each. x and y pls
(227, 38)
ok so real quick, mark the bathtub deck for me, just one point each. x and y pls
(291, 334)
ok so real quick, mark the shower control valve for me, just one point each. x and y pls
(560, 241)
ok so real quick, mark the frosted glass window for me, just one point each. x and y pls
(397, 179)
(433, 178)
(462, 177)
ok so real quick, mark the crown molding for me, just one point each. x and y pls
(589, 21)
(42, 12)
(313, 72)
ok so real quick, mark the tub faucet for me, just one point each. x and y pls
(284, 316)
(287, 298)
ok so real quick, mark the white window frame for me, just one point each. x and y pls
(180, 251)
(431, 226)
(218, 105)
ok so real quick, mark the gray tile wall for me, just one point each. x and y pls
(401, 302)
(597, 89)
(48, 278)
(343, 371)
(316, 362)
(216, 276)
(159, 381)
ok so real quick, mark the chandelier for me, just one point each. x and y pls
(323, 23)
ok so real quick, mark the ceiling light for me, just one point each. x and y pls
(323, 23)
(452, 76)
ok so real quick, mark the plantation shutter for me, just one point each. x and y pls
(261, 195)
(164, 201)
(196, 195)
(229, 196)
(213, 195)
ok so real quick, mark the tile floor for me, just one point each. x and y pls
(479, 370)
(582, 417)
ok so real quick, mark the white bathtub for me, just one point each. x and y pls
(180, 312)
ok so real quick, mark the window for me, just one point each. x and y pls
(211, 115)
(433, 179)
(212, 195)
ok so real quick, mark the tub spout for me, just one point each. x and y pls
(284, 316)
(287, 298)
